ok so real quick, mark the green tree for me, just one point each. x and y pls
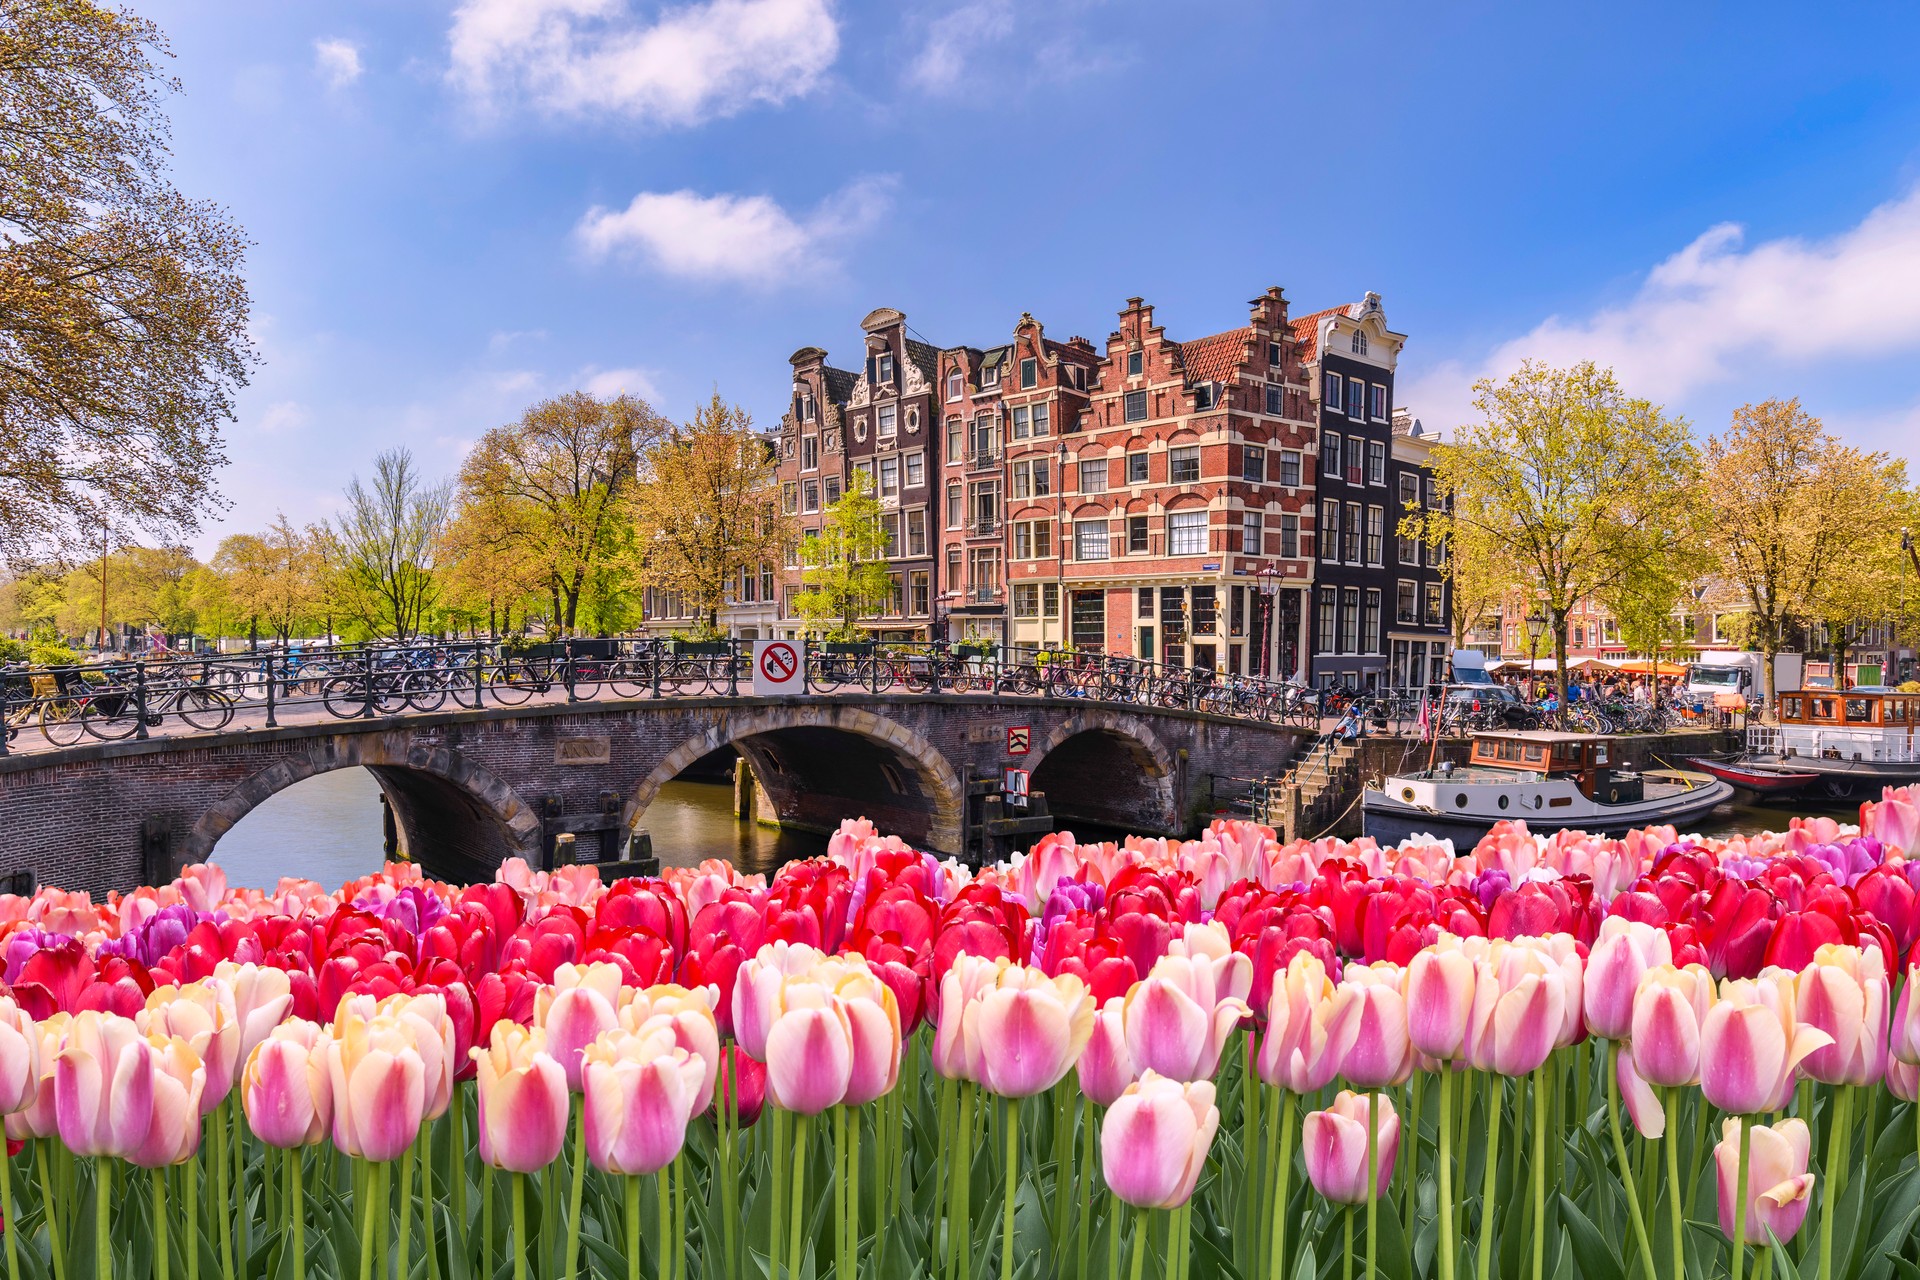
(844, 566)
(1873, 585)
(379, 556)
(1574, 482)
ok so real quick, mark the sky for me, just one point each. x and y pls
(458, 208)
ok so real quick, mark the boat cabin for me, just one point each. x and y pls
(1583, 758)
(1866, 706)
(1870, 725)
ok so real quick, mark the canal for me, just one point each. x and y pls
(328, 828)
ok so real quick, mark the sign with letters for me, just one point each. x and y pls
(777, 667)
(596, 750)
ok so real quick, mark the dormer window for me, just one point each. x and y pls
(990, 377)
(1274, 359)
(883, 368)
(804, 406)
(1359, 343)
(1029, 373)
(956, 385)
(1134, 364)
(1205, 395)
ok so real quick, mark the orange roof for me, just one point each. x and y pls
(1214, 357)
(1306, 329)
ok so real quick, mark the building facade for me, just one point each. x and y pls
(1419, 614)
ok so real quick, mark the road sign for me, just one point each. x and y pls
(1019, 739)
(1013, 785)
(776, 667)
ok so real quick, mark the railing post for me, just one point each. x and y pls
(366, 677)
(6, 726)
(653, 659)
(733, 666)
(140, 698)
(806, 665)
(873, 668)
(566, 658)
(272, 682)
(479, 678)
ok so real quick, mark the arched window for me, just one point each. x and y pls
(1359, 343)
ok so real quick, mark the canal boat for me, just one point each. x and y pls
(1761, 779)
(1551, 780)
(1852, 740)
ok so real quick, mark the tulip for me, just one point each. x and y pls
(262, 997)
(284, 1087)
(378, 1083)
(1177, 1022)
(639, 1097)
(173, 1104)
(873, 1022)
(523, 1100)
(1105, 1068)
(1622, 954)
(1778, 1184)
(1154, 1141)
(1752, 1044)
(756, 990)
(1025, 1032)
(1379, 1053)
(809, 1050)
(1643, 1105)
(1668, 1010)
(102, 1086)
(1516, 1010)
(202, 1014)
(1334, 1148)
(19, 1058)
(1440, 998)
(1308, 1031)
(37, 1116)
(1844, 993)
(689, 1016)
(582, 1003)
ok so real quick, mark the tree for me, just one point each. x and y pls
(707, 509)
(380, 554)
(272, 577)
(123, 316)
(1575, 483)
(1479, 570)
(555, 485)
(1872, 585)
(485, 578)
(845, 571)
(1787, 511)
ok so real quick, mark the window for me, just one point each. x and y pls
(1329, 529)
(1133, 364)
(1350, 542)
(883, 368)
(919, 592)
(1290, 468)
(1136, 406)
(1021, 422)
(1033, 540)
(890, 477)
(956, 440)
(917, 531)
(954, 506)
(1409, 549)
(1409, 489)
(1253, 465)
(809, 495)
(953, 569)
(1359, 343)
(1205, 396)
(1143, 602)
(1029, 373)
(1356, 398)
(896, 596)
(832, 490)
(1206, 617)
(1136, 468)
(1377, 402)
(1250, 541)
(888, 420)
(1173, 612)
(789, 498)
(1332, 389)
(1183, 464)
(1436, 605)
(916, 470)
(809, 453)
(1370, 622)
(1330, 455)
(766, 582)
(956, 385)
(1376, 524)
(1350, 620)
(1276, 401)
(890, 522)
(984, 442)
(1026, 600)
(989, 377)
(1356, 454)
(1376, 462)
(985, 499)
(1430, 491)
(1093, 475)
(983, 570)
(1031, 478)
(1407, 609)
(1187, 533)
(1289, 536)
(1237, 613)
(1042, 421)
(804, 407)
(1090, 540)
(1137, 535)
(1049, 599)
(1323, 641)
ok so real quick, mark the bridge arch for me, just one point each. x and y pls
(1111, 768)
(464, 818)
(822, 762)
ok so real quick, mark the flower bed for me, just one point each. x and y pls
(1587, 1057)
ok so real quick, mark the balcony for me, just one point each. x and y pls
(981, 595)
(984, 527)
(984, 458)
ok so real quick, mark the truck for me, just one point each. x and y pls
(1743, 672)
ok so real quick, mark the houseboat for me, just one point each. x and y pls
(1552, 780)
(1858, 739)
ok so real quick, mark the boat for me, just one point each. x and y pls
(1551, 780)
(1852, 740)
(1761, 779)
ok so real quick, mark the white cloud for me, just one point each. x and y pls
(337, 61)
(570, 57)
(728, 237)
(1720, 311)
(606, 383)
(955, 36)
(501, 339)
(281, 416)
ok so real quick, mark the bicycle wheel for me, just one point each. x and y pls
(425, 690)
(509, 686)
(60, 723)
(205, 709)
(110, 717)
(345, 696)
(629, 679)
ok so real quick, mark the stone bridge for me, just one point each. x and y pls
(469, 788)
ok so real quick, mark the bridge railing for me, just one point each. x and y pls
(113, 699)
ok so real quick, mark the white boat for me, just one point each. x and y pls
(1551, 780)
(1858, 739)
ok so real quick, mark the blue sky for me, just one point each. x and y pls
(461, 207)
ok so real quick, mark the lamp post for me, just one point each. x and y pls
(1536, 627)
(1269, 587)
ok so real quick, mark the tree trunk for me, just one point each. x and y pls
(1560, 664)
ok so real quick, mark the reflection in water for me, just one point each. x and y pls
(1749, 816)
(691, 821)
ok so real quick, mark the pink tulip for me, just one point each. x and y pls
(1333, 1145)
(1379, 1054)
(524, 1100)
(38, 1117)
(962, 984)
(809, 1050)
(1894, 820)
(1668, 1010)
(1106, 1067)
(1440, 991)
(173, 1116)
(1904, 1043)
(1517, 1009)
(262, 995)
(1903, 1080)
(873, 1023)
(1308, 1030)
(103, 1086)
(1779, 1188)
(1621, 956)
(1154, 1141)
(639, 1097)
(1643, 1105)
(202, 1014)
(1178, 1021)
(284, 1087)
(756, 989)
(582, 1003)
(1751, 1045)
(378, 1083)
(1844, 993)
(689, 1017)
(19, 1058)
(1025, 1032)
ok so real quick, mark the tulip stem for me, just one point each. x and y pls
(102, 1208)
(853, 1200)
(777, 1174)
(1444, 1133)
(8, 1223)
(296, 1213)
(948, 1140)
(1373, 1181)
(1082, 1227)
(1740, 1201)
(840, 1189)
(521, 1244)
(223, 1192)
(631, 1187)
(574, 1194)
(162, 1262)
(1837, 1119)
(43, 1157)
(406, 1207)
(797, 1193)
(662, 1261)
(457, 1158)
(1010, 1121)
(1282, 1174)
(486, 1216)
(1346, 1254)
(1541, 1085)
(1496, 1096)
(1140, 1242)
(1676, 1210)
(961, 1226)
(1410, 1171)
(1250, 1090)
(1627, 1182)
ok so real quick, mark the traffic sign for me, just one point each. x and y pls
(1019, 739)
(1013, 785)
(776, 667)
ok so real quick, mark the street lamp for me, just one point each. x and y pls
(1269, 578)
(1536, 627)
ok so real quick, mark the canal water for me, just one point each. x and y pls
(328, 828)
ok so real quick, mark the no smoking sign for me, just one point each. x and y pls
(776, 667)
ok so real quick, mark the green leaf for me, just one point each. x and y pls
(1592, 1253)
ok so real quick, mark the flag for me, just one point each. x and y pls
(1425, 724)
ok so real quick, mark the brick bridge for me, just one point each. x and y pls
(469, 788)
